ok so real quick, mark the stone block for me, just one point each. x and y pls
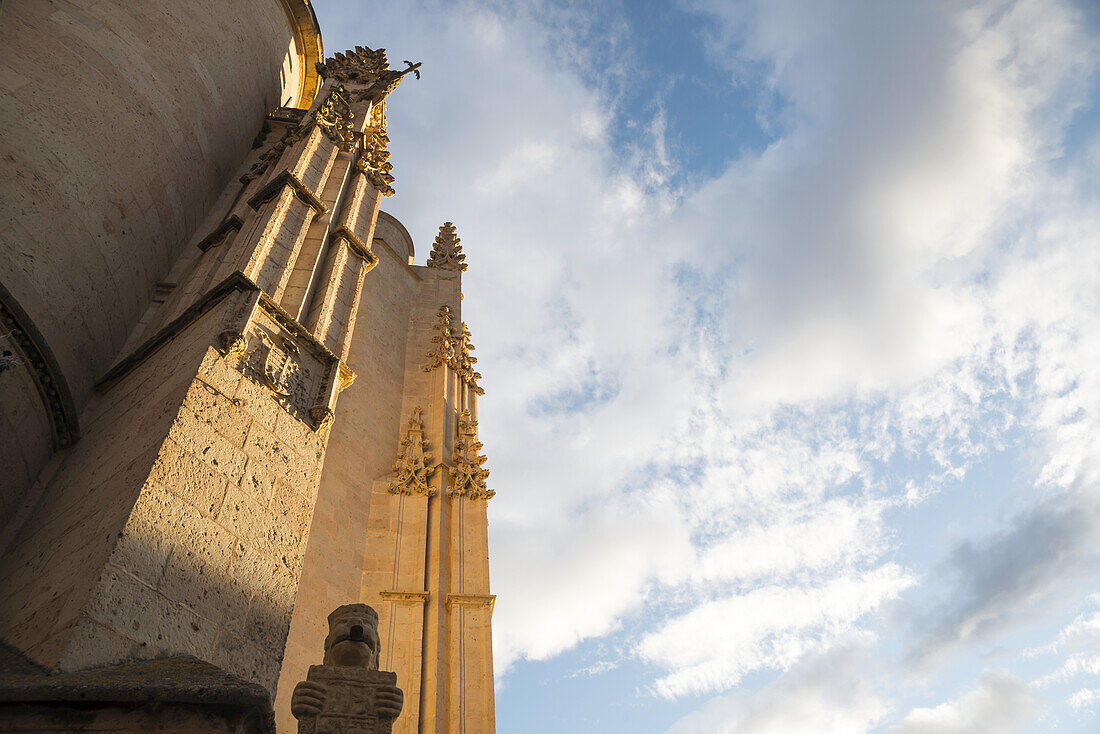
(209, 446)
(288, 504)
(258, 480)
(195, 481)
(92, 644)
(245, 518)
(220, 373)
(207, 405)
(239, 657)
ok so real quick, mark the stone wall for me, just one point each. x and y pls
(178, 526)
(362, 446)
(122, 124)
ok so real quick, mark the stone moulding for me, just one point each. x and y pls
(223, 231)
(234, 283)
(471, 600)
(161, 684)
(275, 186)
(53, 389)
(406, 597)
(356, 244)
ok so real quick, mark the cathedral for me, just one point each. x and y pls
(231, 401)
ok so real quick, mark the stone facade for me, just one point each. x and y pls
(217, 396)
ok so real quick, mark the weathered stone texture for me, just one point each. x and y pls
(122, 124)
(201, 552)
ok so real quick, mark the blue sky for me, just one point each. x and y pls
(789, 316)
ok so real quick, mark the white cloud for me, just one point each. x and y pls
(1084, 698)
(998, 704)
(573, 580)
(812, 538)
(1078, 646)
(711, 647)
(826, 693)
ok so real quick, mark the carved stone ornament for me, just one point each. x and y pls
(444, 350)
(453, 348)
(334, 117)
(366, 67)
(413, 469)
(447, 250)
(276, 363)
(347, 694)
(8, 358)
(322, 416)
(272, 155)
(468, 476)
(374, 160)
(232, 342)
(23, 346)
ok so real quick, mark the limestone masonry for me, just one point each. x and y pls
(229, 401)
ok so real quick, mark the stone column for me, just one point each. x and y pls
(426, 562)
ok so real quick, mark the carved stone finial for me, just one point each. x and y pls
(366, 67)
(468, 476)
(348, 692)
(466, 360)
(412, 470)
(447, 250)
(374, 160)
(453, 348)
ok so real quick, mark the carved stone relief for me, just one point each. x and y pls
(453, 348)
(413, 470)
(468, 475)
(287, 365)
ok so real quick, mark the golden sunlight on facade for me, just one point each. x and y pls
(238, 425)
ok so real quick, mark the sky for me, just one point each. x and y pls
(789, 318)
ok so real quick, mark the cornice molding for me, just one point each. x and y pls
(471, 600)
(229, 226)
(275, 186)
(407, 597)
